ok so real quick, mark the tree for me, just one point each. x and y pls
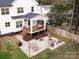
(57, 14)
(45, 2)
(76, 15)
(49, 2)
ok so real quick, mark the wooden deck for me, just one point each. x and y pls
(25, 31)
(36, 36)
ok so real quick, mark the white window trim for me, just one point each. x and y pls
(5, 11)
(19, 24)
(20, 10)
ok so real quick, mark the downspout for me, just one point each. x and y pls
(41, 8)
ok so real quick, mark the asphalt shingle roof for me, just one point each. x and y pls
(18, 17)
(31, 15)
(27, 16)
(5, 3)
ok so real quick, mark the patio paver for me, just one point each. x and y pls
(37, 46)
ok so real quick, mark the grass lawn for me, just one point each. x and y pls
(21, 54)
(69, 50)
(8, 53)
(5, 55)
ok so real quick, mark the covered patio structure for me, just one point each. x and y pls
(35, 22)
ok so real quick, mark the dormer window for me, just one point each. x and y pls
(32, 9)
(4, 11)
(20, 10)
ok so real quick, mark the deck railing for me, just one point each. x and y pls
(25, 31)
(38, 27)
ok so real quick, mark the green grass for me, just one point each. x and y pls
(21, 54)
(8, 53)
(66, 51)
(69, 50)
(5, 55)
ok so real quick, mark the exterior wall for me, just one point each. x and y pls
(2, 25)
(22, 3)
(27, 7)
(12, 28)
(44, 9)
(26, 4)
(18, 29)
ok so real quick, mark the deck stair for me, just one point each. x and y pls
(24, 32)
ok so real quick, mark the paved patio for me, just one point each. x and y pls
(33, 47)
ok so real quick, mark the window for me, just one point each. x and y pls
(7, 24)
(32, 9)
(18, 24)
(5, 11)
(20, 10)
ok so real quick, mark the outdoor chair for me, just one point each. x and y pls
(59, 41)
(52, 44)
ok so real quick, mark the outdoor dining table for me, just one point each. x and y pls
(34, 47)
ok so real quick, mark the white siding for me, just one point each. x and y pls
(26, 4)
(18, 29)
(27, 7)
(4, 29)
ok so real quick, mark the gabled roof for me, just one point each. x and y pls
(27, 16)
(6, 3)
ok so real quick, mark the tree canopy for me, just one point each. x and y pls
(45, 2)
(57, 14)
(49, 2)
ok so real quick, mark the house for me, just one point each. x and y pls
(45, 9)
(18, 14)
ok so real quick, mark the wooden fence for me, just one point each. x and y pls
(66, 34)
